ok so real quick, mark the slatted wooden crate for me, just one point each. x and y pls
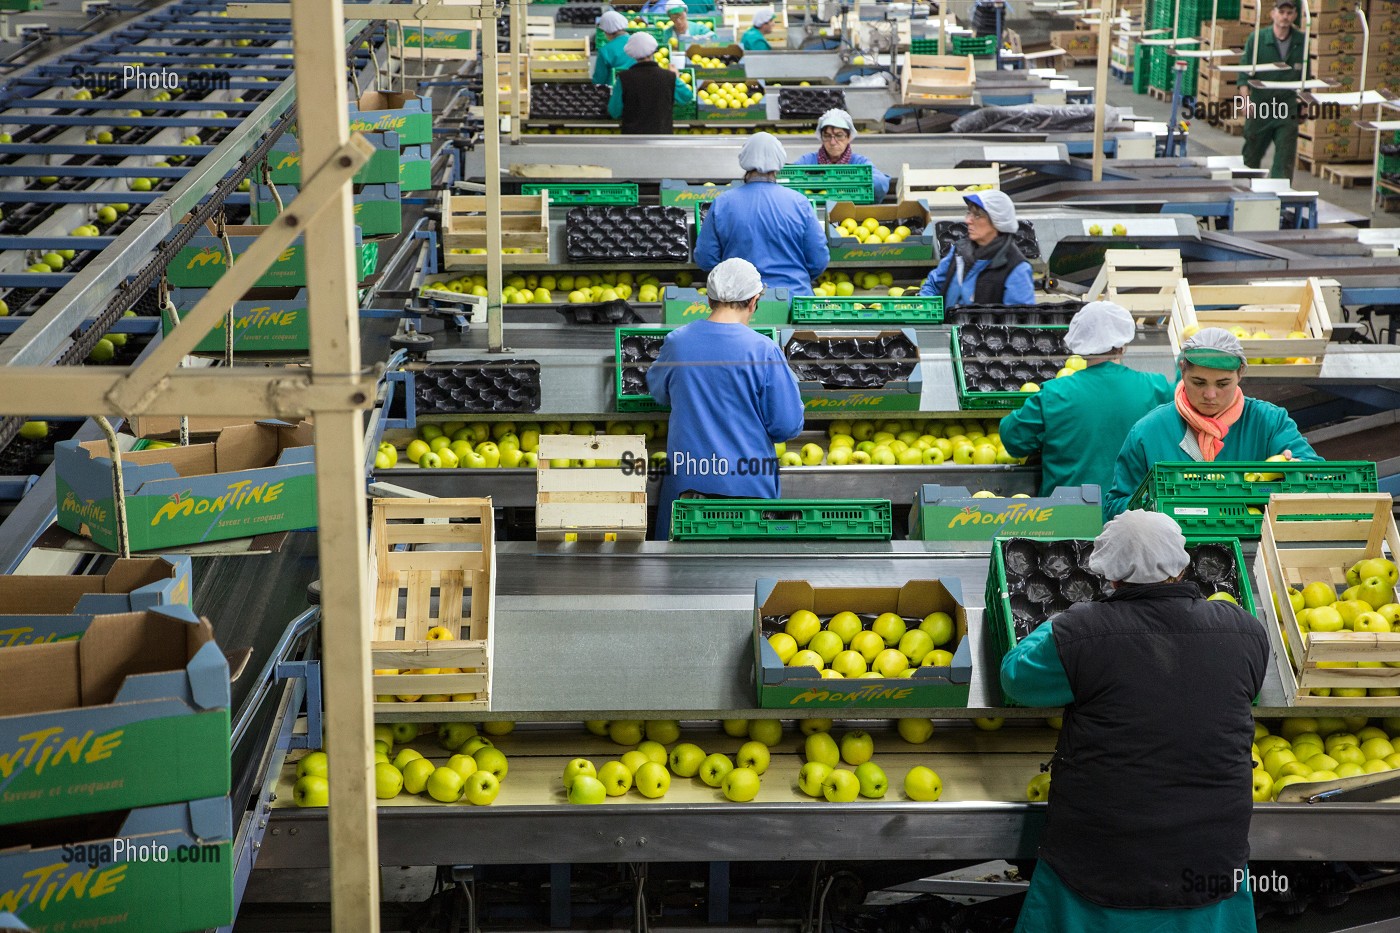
(602, 503)
(937, 78)
(1274, 308)
(433, 573)
(1144, 281)
(505, 81)
(524, 226)
(1315, 548)
(572, 64)
(922, 184)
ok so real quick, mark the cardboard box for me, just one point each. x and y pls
(157, 870)
(1335, 65)
(1077, 43)
(950, 513)
(253, 479)
(41, 609)
(1344, 125)
(726, 73)
(1332, 22)
(683, 305)
(676, 193)
(378, 209)
(896, 395)
(132, 714)
(1329, 149)
(781, 687)
(848, 249)
(167, 427)
(380, 112)
(200, 263)
(416, 168)
(434, 38)
(267, 320)
(284, 160)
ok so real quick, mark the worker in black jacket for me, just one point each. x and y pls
(1150, 800)
(644, 96)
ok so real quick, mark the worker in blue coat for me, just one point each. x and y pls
(985, 267)
(732, 398)
(755, 38)
(1209, 418)
(1150, 797)
(836, 132)
(1077, 423)
(612, 55)
(771, 226)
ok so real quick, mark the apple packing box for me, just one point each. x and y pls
(134, 713)
(251, 480)
(160, 869)
(35, 609)
(781, 687)
(951, 513)
(201, 262)
(265, 320)
(683, 305)
(382, 112)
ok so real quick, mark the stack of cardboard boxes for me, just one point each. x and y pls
(1216, 90)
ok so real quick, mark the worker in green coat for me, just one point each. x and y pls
(1078, 423)
(755, 38)
(612, 55)
(1271, 116)
(1209, 419)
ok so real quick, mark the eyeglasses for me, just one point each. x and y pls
(976, 214)
(835, 134)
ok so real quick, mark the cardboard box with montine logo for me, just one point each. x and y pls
(37, 609)
(284, 160)
(132, 714)
(951, 513)
(781, 687)
(251, 480)
(683, 305)
(378, 209)
(381, 112)
(201, 262)
(921, 245)
(266, 320)
(159, 869)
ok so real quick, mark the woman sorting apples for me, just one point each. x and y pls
(836, 131)
(1077, 422)
(644, 97)
(682, 33)
(1147, 826)
(755, 38)
(612, 56)
(1209, 419)
(732, 398)
(984, 267)
(771, 226)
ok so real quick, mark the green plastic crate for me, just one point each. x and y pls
(982, 401)
(816, 176)
(923, 46)
(1227, 480)
(777, 519)
(868, 309)
(635, 403)
(608, 195)
(974, 45)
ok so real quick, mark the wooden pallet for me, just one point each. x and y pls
(432, 567)
(1157, 93)
(1348, 174)
(1322, 549)
(1313, 166)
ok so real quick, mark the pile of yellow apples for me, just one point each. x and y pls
(1367, 606)
(1309, 750)
(843, 648)
(501, 444)
(842, 284)
(1073, 364)
(871, 230)
(706, 61)
(969, 189)
(729, 96)
(902, 443)
(437, 633)
(537, 288)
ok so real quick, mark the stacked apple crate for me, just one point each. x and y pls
(1217, 90)
(1335, 55)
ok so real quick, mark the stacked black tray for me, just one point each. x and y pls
(608, 234)
(578, 14)
(569, 100)
(1001, 358)
(477, 387)
(1033, 315)
(950, 231)
(795, 103)
(639, 351)
(852, 362)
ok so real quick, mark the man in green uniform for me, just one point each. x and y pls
(1210, 418)
(1271, 116)
(1078, 423)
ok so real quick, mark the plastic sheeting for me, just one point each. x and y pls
(1035, 118)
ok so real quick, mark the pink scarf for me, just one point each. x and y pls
(1210, 432)
(824, 159)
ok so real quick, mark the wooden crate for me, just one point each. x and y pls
(920, 184)
(1278, 308)
(432, 564)
(1321, 551)
(505, 81)
(524, 226)
(606, 502)
(741, 18)
(574, 67)
(1144, 281)
(937, 78)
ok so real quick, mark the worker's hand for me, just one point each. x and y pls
(674, 69)
(1287, 455)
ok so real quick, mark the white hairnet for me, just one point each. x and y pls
(675, 6)
(733, 281)
(1214, 348)
(762, 153)
(1100, 327)
(998, 208)
(762, 16)
(612, 21)
(1140, 547)
(641, 45)
(837, 118)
